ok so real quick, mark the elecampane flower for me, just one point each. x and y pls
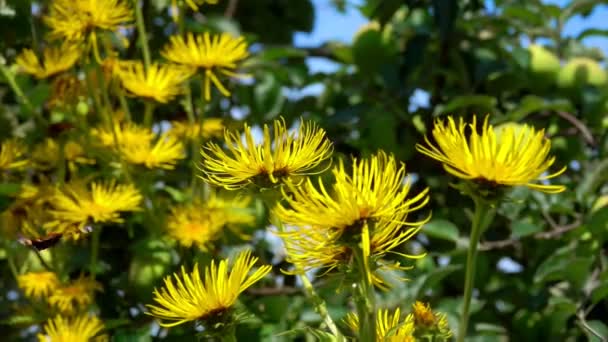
(160, 83)
(12, 155)
(75, 296)
(38, 284)
(46, 155)
(511, 156)
(211, 127)
(216, 54)
(281, 157)
(389, 327)
(194, 298)
(127, 133)
(55, 59)
(81, 328)
(164, 153)
(75, 205)
(76, 19)
(192, 224)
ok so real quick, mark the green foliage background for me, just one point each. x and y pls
(470, 59)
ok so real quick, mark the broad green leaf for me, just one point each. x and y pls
(441, 229)
(520, 229)
(531, 104)
(482, 103)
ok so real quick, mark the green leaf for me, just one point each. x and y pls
(520, 229)
(9, 189)
(482, 103)
(432, 278)
(598, 327)
(592, 32)
(563, 265)
(441, 229)
(275, 53)
(370, 53)
(269, 98)
(532, 104)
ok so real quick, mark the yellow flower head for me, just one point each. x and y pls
(274, 161)
(193, 224)
(75, 296)
(164, 153)
(160, 82)
(214, 53)
(370, 205)
(81, 328)
(12, 155)
(55, 59)
(195, 298)
(127, 133)
(211, 127)
(426, 321)
(76, 19)
(200, 223)
(75, 206)
(511, 156)
(46, 156)
(38, 284)
(388, 327)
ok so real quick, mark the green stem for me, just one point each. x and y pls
(10, 79)
(148, 113)
(230, 335)
(11, 265)
(94, 251)
(41, 259)
(317, 301)
(141, 29)
(364, 299)
(483, 211)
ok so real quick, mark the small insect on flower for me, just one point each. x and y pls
(37, 285)
(75, 296)
(509, 156)
(76, 20)
(281, 157)
(192, 298)
(75, 205)
(12, 155)
(55, 59)
(388, 327)
(161, 82)
(81, 328)
(215, 54)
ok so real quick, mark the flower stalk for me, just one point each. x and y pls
(481, 219)
(364, 298)
(141, 30)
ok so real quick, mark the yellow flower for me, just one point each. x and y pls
(370, 206)
(81, 328)
(212, 127)
(126, 134)
(195, 3)
(46, 156)
(66, 92)
(12, 155)
(510, 157)
(274, 161)
(428, 322)
(164, 153)
(214, 53)
(38, 284)
(160, 82)
(55, 59)
(76, 19)
(193, 298)
(75, 206)
(75, 296)
(388, 327)
(200, 223)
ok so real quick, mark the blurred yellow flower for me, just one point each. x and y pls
(75, 206)
(38, 284)
(81, 328)
(286, 157)
(428, 322)
(201, 222)
(75, 296)
(55, 59)
(76, 19)
(127, 133)
(510, 156)
(193, 298)
(46, 155)
(213, 53)
(368, 207)
(12, 155)
(160, 82)
(164, 153)
(66, 92)
(388, 327)
(212, 127)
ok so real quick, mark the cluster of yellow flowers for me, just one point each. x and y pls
(341, 216)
